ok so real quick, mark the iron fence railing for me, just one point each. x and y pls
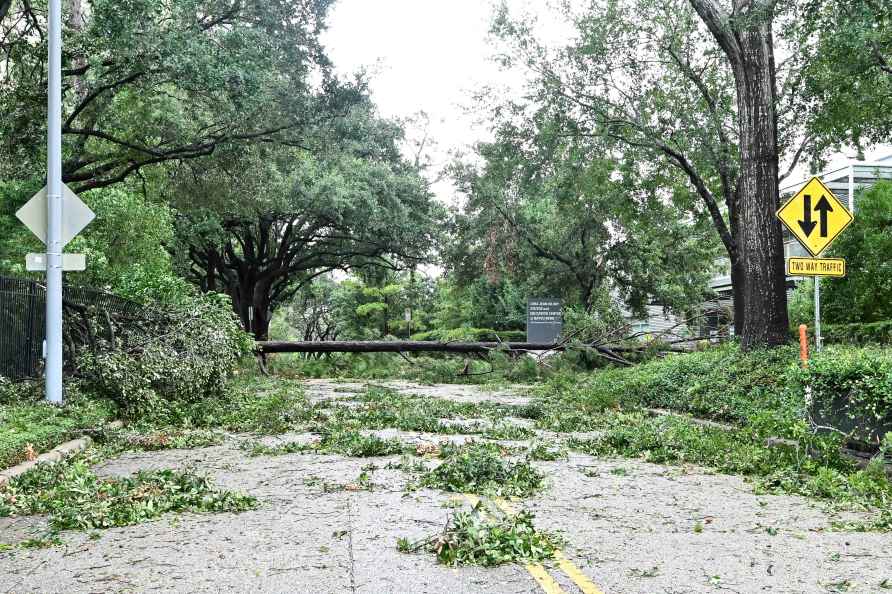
(90, 317)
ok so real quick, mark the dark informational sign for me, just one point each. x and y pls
(545, 320)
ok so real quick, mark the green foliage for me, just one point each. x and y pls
(476, 538)
(147, 83)
(721, 383)
(76, 499)
(467, 299)
(846, 86)
(154, 439)
(541, 450)
(865, 294)
(552, 206)
(188, 354)
(851, 390)
(15, 239)
(345, 443)
(481, 468)
(874, 333)
(44, 426)
(376, 308)
(447, 369)
(761, 392)
(125, 244)
(671, 440)
(468, 334)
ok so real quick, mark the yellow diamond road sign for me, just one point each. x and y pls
(815, 216)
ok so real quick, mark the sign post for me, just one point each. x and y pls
(54, 209)
(55, 214)
(815, 217)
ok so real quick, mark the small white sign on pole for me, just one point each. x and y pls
(70, 262)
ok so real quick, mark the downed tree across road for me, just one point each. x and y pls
(424, 346)
(400, 346)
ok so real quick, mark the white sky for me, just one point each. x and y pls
(424, 55)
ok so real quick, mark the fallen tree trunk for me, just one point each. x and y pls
(419, 346)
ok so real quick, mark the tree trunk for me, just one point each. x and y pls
(738, 278)
(765, 321)
(747, 40)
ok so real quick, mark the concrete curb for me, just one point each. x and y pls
(56, 454)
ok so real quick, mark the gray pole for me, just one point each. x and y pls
(819, 340)
(54, 209)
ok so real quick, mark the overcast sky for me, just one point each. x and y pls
(424, 55)
(429, 55)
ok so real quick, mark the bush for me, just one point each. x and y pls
(852, 391)
(472, 335)
(876, 333)
(722, 384)
(865, 294)
(185, 354)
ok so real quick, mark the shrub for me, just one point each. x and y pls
(876, 333)
(852, 391)
(471, 335)
(185, 353)
(722, 383)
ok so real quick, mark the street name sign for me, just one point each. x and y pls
(833, 267)
(76, 215)
(70, 262)
(545, 320)
(815, 216)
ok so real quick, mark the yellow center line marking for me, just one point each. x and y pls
(574, 573)
(568, 567)
(544, 579)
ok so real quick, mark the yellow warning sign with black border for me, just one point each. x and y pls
(833, 267)
(815, 216)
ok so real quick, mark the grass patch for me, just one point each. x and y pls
(76, 499)
(34, 427)
(476, 538)
(482, 468)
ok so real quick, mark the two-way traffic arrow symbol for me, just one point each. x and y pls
(807, 224)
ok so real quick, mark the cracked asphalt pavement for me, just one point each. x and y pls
(630, 528)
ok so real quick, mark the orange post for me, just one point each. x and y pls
(803, 344)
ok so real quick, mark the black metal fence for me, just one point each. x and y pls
(89, 318)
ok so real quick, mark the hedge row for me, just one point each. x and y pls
(472, 335)
(852, 391)
(851, 388)
(876, 333)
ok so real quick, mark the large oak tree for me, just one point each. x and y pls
(146, 82)
(694, 84)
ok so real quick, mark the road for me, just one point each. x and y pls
(630, 528)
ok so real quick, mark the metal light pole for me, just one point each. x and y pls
(54, 209)
(819, 339)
